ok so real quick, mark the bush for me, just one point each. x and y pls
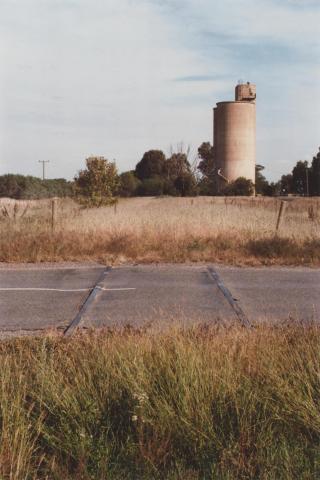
(153, 186)
(129, 184)
(240, 187)
(207, 186)
(23, 187)
(169, 188)
(186, 185)
(96, 185)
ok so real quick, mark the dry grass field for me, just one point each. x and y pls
(230, 230)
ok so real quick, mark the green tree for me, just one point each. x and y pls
(169, 188)
(58, 187)
(11, 186)
(175, 166)
(315, 175)
(208, 183)
(206, 156)
(153, 186)
(299, 178)
(274, 188)
(261, 183)
(28, 187)
(240, 187)
(128, 184)
(96, 185)
(178, 175)
(151, 164)
(286, 185)
(186, 184)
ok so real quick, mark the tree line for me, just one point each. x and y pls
(27, 187)
(155, 174)
(304, 179)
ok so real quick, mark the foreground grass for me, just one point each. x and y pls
(196, 404)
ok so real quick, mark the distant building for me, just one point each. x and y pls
(234, 137)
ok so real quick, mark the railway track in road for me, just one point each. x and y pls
(234, 303)
(100, 287)
(83, 310)
(33, 300)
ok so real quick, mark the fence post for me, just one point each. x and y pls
(53, 214)
(15, 212)
(311, 213)
(282, 209)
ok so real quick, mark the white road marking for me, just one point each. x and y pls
(34, 289)
(114, 289)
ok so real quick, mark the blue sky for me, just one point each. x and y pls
(119, 77)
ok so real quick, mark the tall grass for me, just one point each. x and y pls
(233, 230)
(194, 404)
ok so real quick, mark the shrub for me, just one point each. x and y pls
(23, 187)
(240, 187)
(186, 185)
(153, 186)
(128, 184)
(96, 185)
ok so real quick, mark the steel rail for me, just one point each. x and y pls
(242, 317)
(74, 325)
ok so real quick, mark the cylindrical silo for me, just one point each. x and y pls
(235, 139)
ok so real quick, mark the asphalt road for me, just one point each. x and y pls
(38, 298)
(165, 294)
(275, 293)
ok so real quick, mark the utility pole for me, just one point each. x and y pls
(44, 168)
(307, 178)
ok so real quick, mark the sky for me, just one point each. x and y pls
(119, 77)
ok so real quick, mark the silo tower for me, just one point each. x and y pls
(235, 136)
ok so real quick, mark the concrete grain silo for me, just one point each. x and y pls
(235, 136)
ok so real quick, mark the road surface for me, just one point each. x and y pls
(275, 293)
(56, 297)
